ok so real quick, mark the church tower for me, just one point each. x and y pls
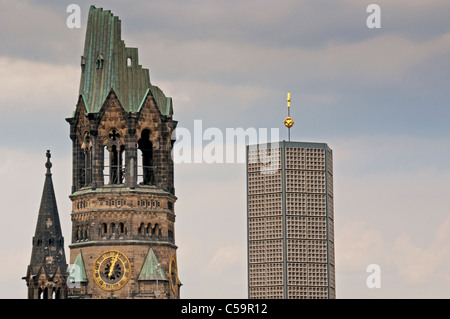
(123, 196)
(47, 273)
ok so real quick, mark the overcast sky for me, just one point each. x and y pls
(378, 97)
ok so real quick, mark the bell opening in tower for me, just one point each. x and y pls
(145, 159)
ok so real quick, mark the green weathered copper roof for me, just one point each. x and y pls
(78, 272)
(149, 271)
(105, 67)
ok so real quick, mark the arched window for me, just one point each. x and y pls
(121, 228)
(106, 165)
(84, 232)
(128, 61)
(86, 159)
(156, 231)
(116, 162)
(113, 170)
(145, 159)
(141, 229)
(113, 159)
(104, 229)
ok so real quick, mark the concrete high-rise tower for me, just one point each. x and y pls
(290, 221)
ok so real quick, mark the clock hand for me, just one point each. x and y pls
(111, 270)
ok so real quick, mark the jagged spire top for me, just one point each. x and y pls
(108, 65)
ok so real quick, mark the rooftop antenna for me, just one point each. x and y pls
(289, 121)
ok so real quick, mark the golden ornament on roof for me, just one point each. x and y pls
(288, 122)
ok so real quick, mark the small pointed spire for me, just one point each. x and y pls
(48, 242)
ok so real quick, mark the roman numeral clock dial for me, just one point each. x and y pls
(111, 270)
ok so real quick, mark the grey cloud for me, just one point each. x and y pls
(230, 63)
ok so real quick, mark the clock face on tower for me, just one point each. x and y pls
(173, 273)
(112, 270)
